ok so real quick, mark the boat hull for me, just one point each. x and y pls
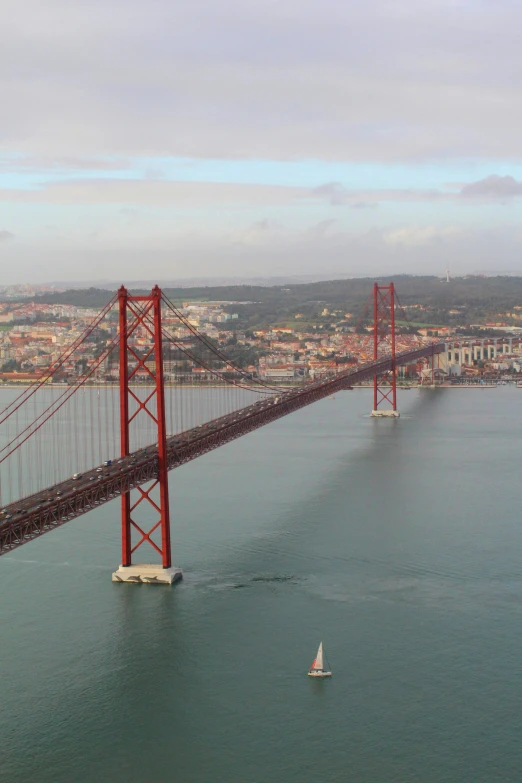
(319, 674)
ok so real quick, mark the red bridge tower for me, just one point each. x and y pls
(385, 385)
(143, 313)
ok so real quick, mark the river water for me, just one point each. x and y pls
(397, 543)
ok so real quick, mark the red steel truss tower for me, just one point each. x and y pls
(385, 385)
(143, 314)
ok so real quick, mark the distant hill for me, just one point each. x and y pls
(473, 298)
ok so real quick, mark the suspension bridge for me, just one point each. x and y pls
(67, 448)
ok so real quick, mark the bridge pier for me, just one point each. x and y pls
(386, 413)
(147, 573)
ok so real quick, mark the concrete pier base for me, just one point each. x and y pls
(147, 573)
(386, 414)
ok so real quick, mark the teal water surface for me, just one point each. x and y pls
(397, 543)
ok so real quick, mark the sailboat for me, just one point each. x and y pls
(317, 669)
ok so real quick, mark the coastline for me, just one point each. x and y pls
(273, 387)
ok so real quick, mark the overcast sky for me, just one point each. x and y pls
(183, 138)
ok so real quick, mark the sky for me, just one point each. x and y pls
(175, 139)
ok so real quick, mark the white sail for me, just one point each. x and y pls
(317, 669)
(318, 663)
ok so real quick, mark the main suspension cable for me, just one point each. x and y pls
(57, 364)
(199, 362)
(214, 349)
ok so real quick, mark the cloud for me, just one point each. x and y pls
(323, 227)
(364, 205)
(337, 194)
(262, 226)
(334, 192)
(419, 235)
(492, 188)
(146, 191)
(220, 250)
(132, 193)
(151, 192)
(6, 236)
(26, 163)
(259, 232)
(131, 215)
(194, 194)
(350, 81)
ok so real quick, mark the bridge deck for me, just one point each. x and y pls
(36, 514)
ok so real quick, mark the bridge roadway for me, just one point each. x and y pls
(26, 519)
